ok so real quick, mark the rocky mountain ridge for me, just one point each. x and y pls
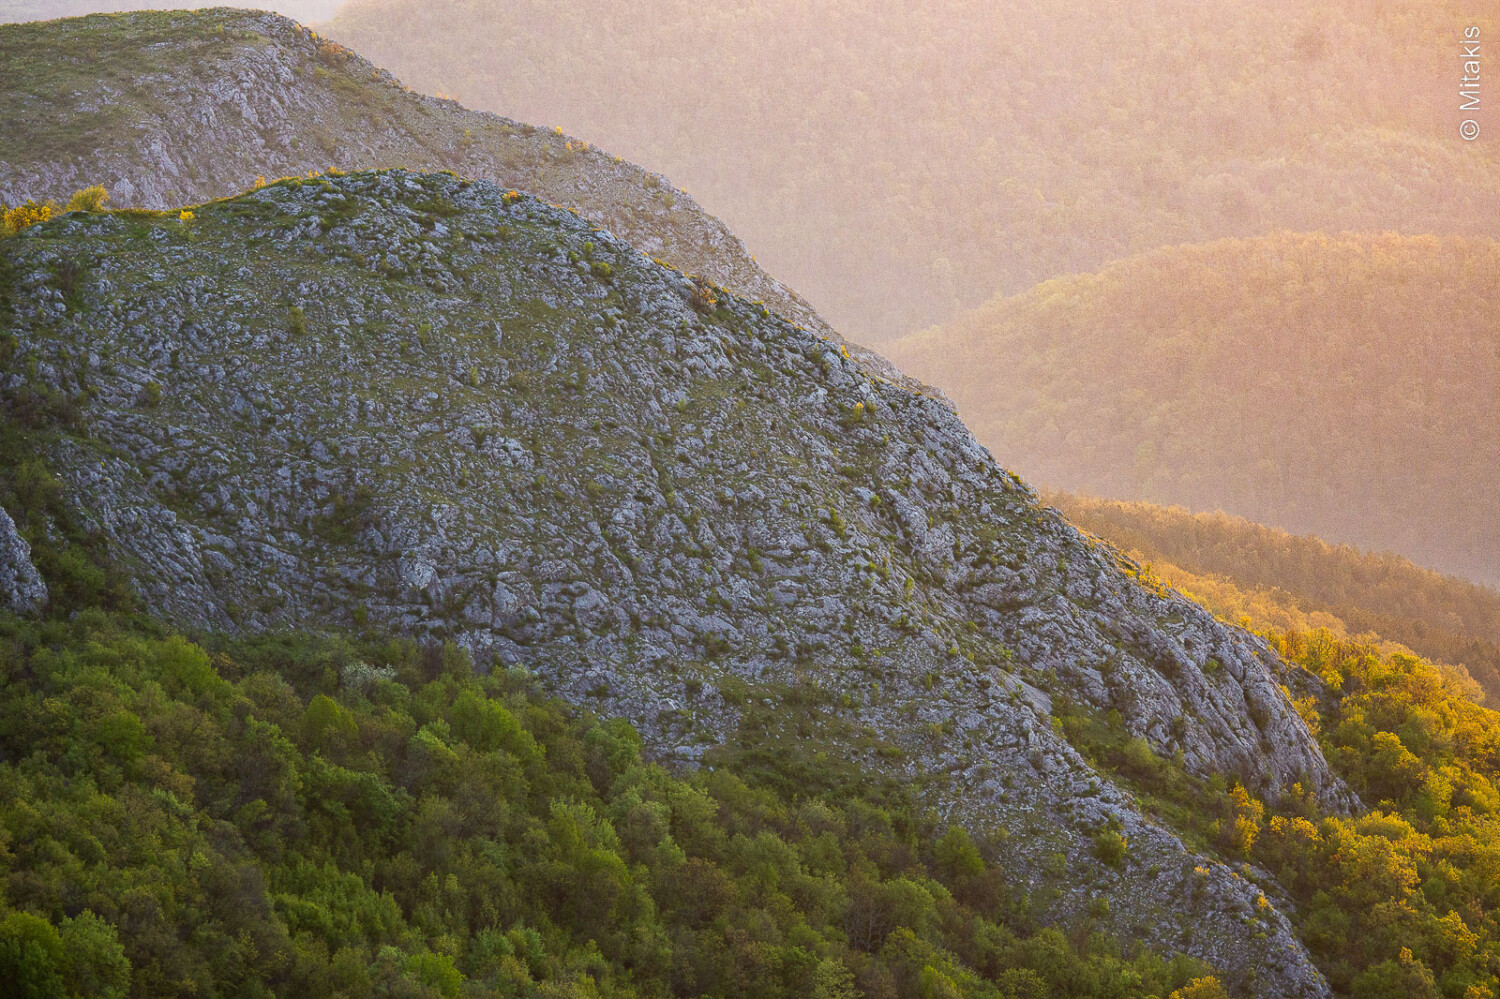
(306, 11)
(177, 107)
(434, 406)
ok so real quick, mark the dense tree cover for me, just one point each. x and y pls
(1303, 583)
(302, 816)
(1409, 890)
(1343, 387)
(898, 161)
(1399, 901)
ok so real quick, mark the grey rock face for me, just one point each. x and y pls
(472, 416)
(21, 586)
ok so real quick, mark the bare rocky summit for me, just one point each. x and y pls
(423, 403)
(168, 108)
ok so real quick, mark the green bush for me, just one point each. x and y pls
(24, 216)
(1110, 847)
(90, 199)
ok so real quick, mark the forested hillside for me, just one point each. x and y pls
(1344, 387)
(897, 162)
(353, 817)
(413, 585)
(1447, 619)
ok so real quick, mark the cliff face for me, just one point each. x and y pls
(21, 587)
(423, 403)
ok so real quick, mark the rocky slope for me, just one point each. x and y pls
(21, 587)
(307, 11)
(424, 403)
(172, 108)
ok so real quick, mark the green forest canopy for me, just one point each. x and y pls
(1339, 386)
(298, 816)
(898, 162)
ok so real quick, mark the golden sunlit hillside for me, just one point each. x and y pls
(898, 162)
(1287, 582)
(1344, 387)
(1411, 735)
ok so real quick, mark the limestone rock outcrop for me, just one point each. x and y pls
(461, 414)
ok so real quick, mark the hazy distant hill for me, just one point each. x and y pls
(1446, 619)
(897, 162)
(1345, 387)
